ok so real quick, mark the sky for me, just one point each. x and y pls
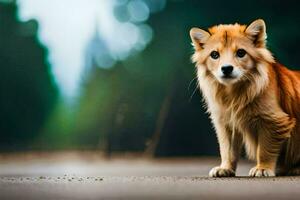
(67, 26)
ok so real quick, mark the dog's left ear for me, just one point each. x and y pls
(257, 32)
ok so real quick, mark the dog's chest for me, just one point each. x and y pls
(239, 118)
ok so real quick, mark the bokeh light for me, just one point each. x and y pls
(138, 11)
(69, 33)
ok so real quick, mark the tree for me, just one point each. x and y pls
(27, 90)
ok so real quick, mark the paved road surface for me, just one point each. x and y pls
(81, 176)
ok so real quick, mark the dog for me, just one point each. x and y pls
(252, 100)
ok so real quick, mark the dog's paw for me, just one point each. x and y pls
(261, 172)
(221, 172)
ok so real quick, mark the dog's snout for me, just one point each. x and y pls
(227, 70)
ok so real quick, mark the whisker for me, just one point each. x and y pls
(191, 83)
(194, 92)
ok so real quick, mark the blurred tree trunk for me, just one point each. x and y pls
(162, 116)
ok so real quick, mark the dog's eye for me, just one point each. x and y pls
(214, 55)
(240, 53)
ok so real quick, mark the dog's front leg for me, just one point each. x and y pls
(230, 146)
(273, 132)
(266, 155)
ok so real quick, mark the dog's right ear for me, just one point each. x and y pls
(199, 37)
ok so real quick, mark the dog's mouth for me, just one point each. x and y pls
(228, 77)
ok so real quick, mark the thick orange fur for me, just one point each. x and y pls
(260, 108)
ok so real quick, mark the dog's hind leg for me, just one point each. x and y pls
(294, 171)
(292, 154)
(288, 163)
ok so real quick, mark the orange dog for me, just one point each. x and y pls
(252, 99)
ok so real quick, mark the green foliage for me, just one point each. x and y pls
(27, 91)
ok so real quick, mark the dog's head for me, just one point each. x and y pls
(231, 52)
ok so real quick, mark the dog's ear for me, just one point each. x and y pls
(199, 37)
(257, 32)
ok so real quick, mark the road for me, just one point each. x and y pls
(87, 176)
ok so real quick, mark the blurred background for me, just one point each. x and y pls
(115, 76)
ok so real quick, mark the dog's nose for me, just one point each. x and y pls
(227, 70)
